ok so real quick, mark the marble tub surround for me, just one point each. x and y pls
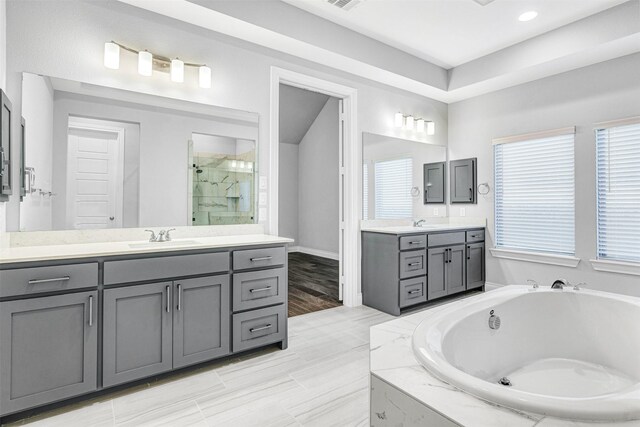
(406, 392)
(66, 237)
(89, 250)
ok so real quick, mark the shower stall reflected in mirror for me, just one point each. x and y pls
(222, 180)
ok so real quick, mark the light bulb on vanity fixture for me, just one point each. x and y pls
(399, 120)
(420, 125)
(408, 122)
(204, 77)
(431, 128)
(145, 63)
(111, 55)
(177, 71)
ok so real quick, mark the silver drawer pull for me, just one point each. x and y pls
(415, 291)
(261, 328)
(57, 279)
(414, 243)
(262, 258)
(411, 264)
(168, 289)
(91, 310)
(260, 289)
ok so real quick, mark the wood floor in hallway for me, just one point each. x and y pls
(313, 283)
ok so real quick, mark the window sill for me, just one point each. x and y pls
(540, 258)
(616, 266)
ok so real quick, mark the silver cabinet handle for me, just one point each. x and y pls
(179, 297)
(411, 264)
(168, 299)
(266, 288)
(262, 258)
(414, 243)
(415, 291)
(91, 310)
(57, 279)
(261, 328)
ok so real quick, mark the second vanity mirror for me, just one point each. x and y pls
(392, 176)
(99, 157)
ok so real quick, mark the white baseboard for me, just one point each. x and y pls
(489, 286)
(316, 252)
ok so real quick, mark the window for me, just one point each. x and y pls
(365, 191)
(534, 192)
(393, 189)
(618, 185)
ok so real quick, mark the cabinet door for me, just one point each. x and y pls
(137, 332)
(456, 269)
(200, 320)
(434, 182)
(436, 274)
(48, 349)
(463, 181)
(475, 265)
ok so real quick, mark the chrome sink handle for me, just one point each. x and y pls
(579, 286)
(153, 237)
(161, 236)
(167, 235)
(533, 283)
(419, 223)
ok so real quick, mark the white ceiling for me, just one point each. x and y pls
(452, 32)
(298, 110)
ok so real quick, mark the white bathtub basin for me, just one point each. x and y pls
(569, 354)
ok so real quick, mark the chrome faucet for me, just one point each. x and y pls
(560, 284)
(419, 223)
(161, 237)
(153, 237)
(167, 236)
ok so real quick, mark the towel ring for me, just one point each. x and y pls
(484, 189)
(415, 191)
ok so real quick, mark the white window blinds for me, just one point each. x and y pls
(393, 189)
(365, 191)
(618, 181)
(534, 193)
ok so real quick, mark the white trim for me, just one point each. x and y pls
(537, 257)
(619, 122)
(317, 252)
(352, 169)
(616, 266)
(534, 135)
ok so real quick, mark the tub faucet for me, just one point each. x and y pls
(560, 284)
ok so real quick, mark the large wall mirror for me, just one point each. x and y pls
(392, 176)
(99, 157)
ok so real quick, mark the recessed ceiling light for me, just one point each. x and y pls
(528, 16)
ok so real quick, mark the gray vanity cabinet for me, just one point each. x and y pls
(446, 273)
(434, 182)
(200, 319)
(48, 349)
(475, 265)
(137, 337)
(462, 181)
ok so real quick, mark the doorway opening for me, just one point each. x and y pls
(309, 196)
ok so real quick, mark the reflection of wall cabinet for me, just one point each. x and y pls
(462, 181)
(434, 175)
(158, 312)
(5, 146)
(401, 271)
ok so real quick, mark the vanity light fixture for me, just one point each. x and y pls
(408, 122)
(147, 62)
(399, 120)
(420, 125)
(431, 128)
(528, 16)
(177, 71)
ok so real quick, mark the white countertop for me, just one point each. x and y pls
(89, 250)
(392, 360)
(408, 229)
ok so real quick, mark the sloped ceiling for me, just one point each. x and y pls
(298, 110)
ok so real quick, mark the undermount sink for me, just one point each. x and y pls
(163, 244)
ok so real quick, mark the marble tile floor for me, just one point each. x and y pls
(322, 379)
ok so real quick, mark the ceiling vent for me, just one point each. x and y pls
(483, 2)
(344, 4)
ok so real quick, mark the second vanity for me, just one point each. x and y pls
(76, 319)
(404, 267)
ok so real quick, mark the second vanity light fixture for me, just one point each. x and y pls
(147, 61)
(419, 125)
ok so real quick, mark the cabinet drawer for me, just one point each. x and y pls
(413, 291)
(162, 268)
(475, 236)
(26, 281)
(256, 258)
(413, 263)
(413, 242)
(256, 289)
(442, 239)
(259, 327)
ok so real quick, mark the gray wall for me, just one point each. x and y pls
(318, 176)
(601, 92)
(73, 49)
(288, 192)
